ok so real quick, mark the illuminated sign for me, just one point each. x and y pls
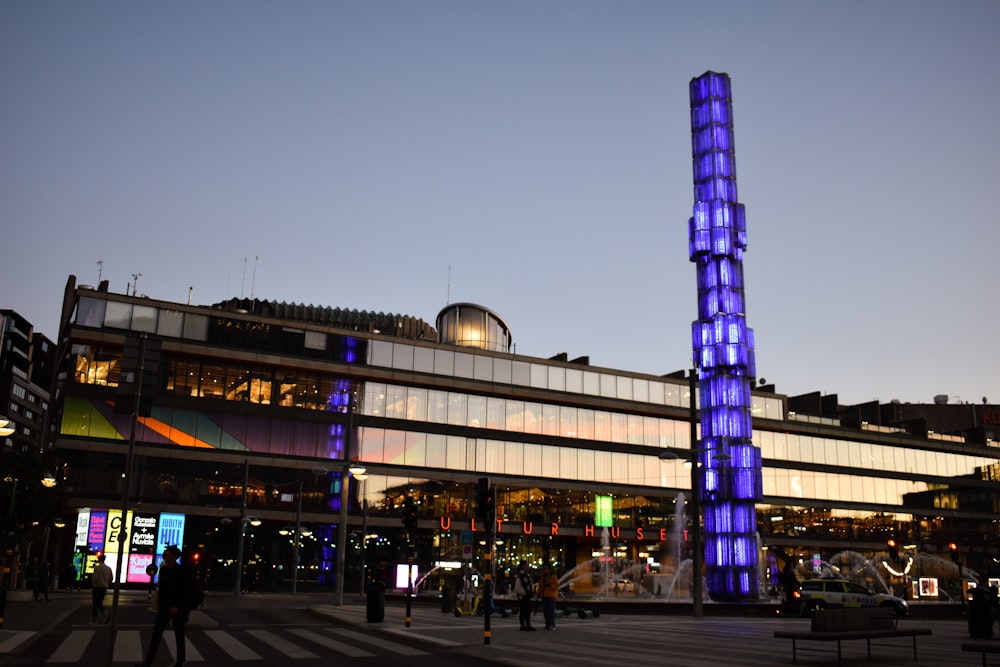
(602, 511)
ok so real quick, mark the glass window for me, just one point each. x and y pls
(522, 373)
(567, 463)
(533, 460)
(651, 431)
(477, 411)
(591, 383)
(574, 380)
(567, 422)
(513, 458)
(532, 418)
(457, 455)
(380, 353)
(672, 394)
(502, 369)
(495, 413)
(515, 416)
(437, 451)
(437, 406)
(143, 318)
(624, 388)
(619, 427)
(640, 390)
(609, 386)
(314, 340)
(444, 362)
(395, 401)
(170, 323)
(416, 404)
(550, 419)
(463, 365)
(550, 461)
(483, 368)
(585, 464)
(90, 312)
(585, 423)
(619, 467)
(539, 376)
(118, 315)
(423, 359)
(458, 408)
(602, 466)
(557, 378)
(494, 456)
(416, 449)
(634, 429)
(195, 327)
(602, 426)
(402, 356)
(372, 444)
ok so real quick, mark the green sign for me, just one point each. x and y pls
(602, 512)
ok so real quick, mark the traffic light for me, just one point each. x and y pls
(409, 514)
(485, 501)
(953, 548)
(893, 548)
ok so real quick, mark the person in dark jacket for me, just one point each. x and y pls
(172, 605)
(523, 588)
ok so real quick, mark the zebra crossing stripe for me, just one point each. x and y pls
(72, 647)
(128, 646)
(14, 638)
(341, 647)
(236, 649)
(190, 652)
(378, 641)
(282, 645)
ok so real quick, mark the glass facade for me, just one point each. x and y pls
(428, 420)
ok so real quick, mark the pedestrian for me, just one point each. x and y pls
(31, 575)
(522, 588)
(44, 579)
(99, 580)
(70, 576)
(174, 598)
(549, 586)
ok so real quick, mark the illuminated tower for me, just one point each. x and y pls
(730, 465)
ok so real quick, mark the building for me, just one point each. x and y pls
(26, 363)
(251, 412)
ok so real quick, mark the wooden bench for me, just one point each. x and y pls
(983, 647)
(838, 625)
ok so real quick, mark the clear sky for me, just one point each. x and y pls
(532, 157)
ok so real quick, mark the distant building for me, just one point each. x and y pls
(26, 364)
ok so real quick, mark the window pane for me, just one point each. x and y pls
(502, 371)
(574, 380)
(195, 327)
(522, 373)
(591, 383)
(557, 378)
(144, 318)
(402, 357)
(539, 376)
(483, 368)
(463, 365)
(444, 362)
(423, 359)
(437, 451)
(380, 353)
(437, 406)
(118, 315)
(170, 323)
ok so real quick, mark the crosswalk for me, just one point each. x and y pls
(237, 644)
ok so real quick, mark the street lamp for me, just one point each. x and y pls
(359, 473)
(6, 428)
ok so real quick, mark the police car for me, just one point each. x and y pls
(831, 593)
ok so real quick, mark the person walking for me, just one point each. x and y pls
(522, 588)
(100, 580)
(173, 605)
(44, 579)
(31, 576)
(549, 586)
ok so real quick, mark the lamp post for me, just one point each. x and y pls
(298, 540)
(359, 473)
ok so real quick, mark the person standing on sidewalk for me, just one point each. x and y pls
(31, 576)
(173, 604)
(44, 579)
(549, 586)
(100, 580)
(522, 588)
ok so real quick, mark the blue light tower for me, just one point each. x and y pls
(730, 465)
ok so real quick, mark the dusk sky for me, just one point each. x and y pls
(531, 157)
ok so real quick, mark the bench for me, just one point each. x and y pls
(982, 647)
(839, 625)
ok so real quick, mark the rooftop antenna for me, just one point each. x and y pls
(253, 281)
(100, 269)
(135, 283)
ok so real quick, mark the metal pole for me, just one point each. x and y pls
(129, 462)
(238, 586)
(298, 538)
(696, 553)
(344, 485)
(364, 536)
